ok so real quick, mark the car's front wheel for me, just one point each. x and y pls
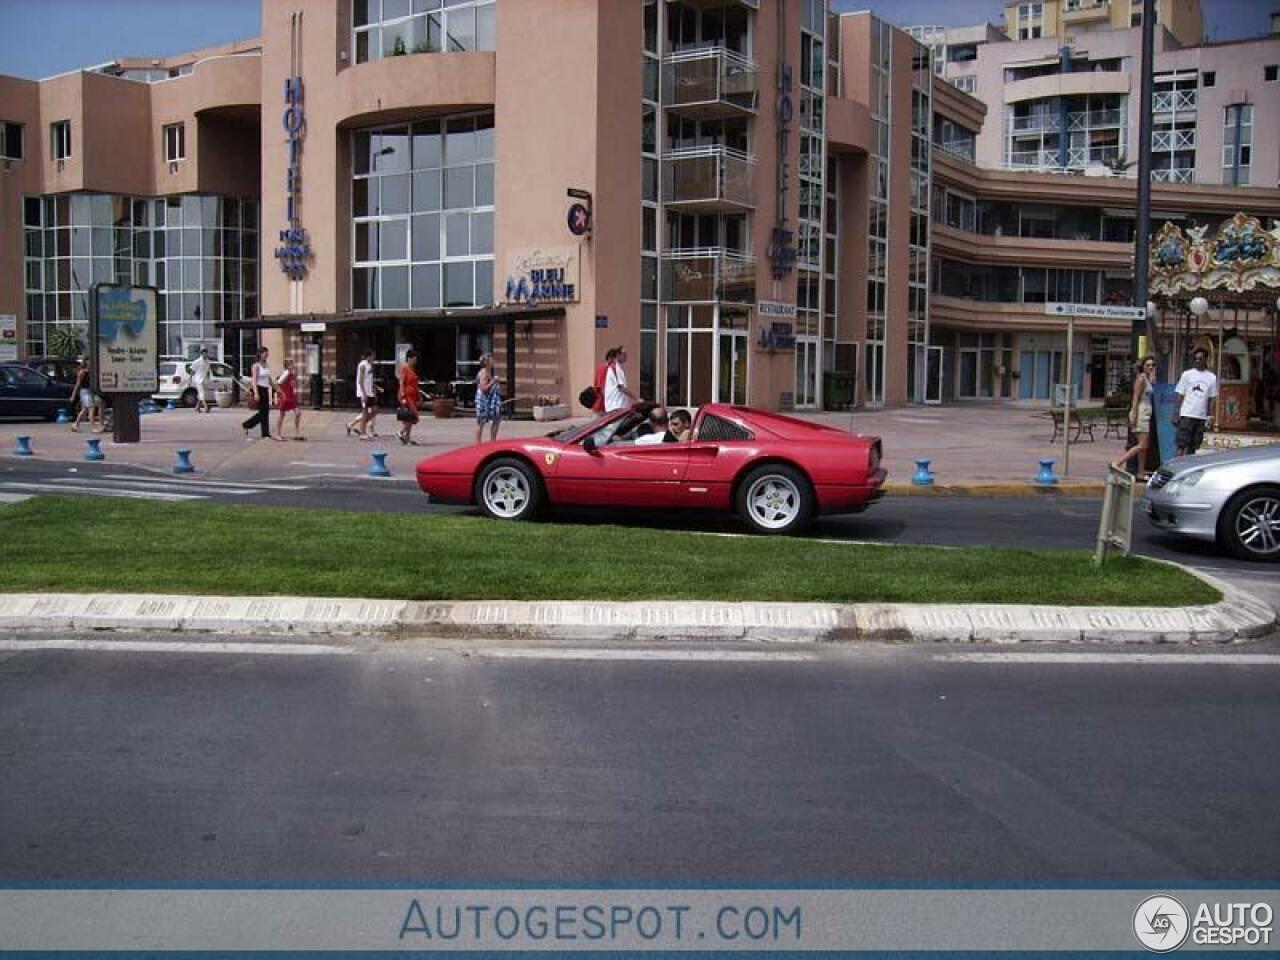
(775, 498)
(509, 489)
(1250, 523)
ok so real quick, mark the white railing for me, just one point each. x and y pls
(1173, 140)
(1047, 122)
(708, 174)
(1034, 159)
(1093, 119)
(710, 75)
(1173, 101)
(1175, 175)
(959, 148)
(707, 273)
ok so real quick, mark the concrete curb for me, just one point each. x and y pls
(1026, 489)
(1238, 616)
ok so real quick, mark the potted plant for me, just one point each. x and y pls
(549, 407)
(442, 407)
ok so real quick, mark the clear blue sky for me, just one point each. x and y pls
(39, 38)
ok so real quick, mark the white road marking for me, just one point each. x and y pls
(312, 463)
(193, 646)
(236, 484)
(100, 491)
(14, 497)
(1176, 659)
(163, 486)
(597, 653)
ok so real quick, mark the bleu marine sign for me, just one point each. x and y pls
(294, 249)
(545, 275)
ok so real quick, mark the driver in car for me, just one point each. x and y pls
(655, 430)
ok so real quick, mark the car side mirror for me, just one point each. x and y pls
(589, 444)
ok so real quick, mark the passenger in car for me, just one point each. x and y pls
(681, 428)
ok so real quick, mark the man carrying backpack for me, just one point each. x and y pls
(617, 394)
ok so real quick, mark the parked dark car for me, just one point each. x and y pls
(25, 392)
(55, 368)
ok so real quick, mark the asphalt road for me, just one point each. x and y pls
(577, 764)
(1040, 521)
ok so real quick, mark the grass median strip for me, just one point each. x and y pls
(72, 544)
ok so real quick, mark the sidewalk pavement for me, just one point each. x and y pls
(989, 449)
(1237, 617)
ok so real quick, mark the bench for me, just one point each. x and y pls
(1077, 423)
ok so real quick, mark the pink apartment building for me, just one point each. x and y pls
(764, 201)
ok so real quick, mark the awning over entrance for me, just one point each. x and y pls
(402, 318)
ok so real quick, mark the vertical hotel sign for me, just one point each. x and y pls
(782, 252)
(294, 250)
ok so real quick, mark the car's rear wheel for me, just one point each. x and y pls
(775, 498)
(509, 489)
(189, 397)
(1250, 524)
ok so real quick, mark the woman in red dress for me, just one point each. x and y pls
(287, 391)
(408, 397)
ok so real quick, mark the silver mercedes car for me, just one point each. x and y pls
(1231, 498)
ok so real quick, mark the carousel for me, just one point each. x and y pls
(1219, 290)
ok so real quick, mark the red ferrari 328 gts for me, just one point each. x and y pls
(778, 472)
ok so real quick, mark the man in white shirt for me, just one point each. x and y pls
(1197, 392)
(657, 431)
(199, 378)
(366, 394)
(616, 392)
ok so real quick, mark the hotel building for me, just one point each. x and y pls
(765, 201)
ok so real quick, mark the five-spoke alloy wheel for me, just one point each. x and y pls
(775, 498)
(1250, 524)
(508, 489)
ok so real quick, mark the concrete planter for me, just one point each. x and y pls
(442, 407)
(558, 411)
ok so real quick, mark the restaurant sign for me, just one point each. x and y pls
(543, 275)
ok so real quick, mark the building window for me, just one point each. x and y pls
(60, 139)
(965, 84)
(175, 142)
(1237, 144)
(394, 28)
(422, 215)
(1210, 78)
(10, 140)
(1270, 72)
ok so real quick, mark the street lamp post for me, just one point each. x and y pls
(1142, 242)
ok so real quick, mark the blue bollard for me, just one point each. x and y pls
(63, 416)
(92, 450)
(378, 464)
(184, 463)
(922, 477)
(23, 449)
(1045, 477)
(170, 405)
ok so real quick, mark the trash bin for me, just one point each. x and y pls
(838, 390)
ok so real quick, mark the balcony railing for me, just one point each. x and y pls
(1035, 123)
(705, 274)
(1173, 140)
(712, 178)
(1175, 175)
(959, 148)
(710, 81)
(1173, 101)
(1093, 119)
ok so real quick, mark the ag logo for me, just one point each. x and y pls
(1160, 923)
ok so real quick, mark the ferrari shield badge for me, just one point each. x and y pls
(549, 458)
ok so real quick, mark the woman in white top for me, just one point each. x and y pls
(260, 375)
(1140, 414)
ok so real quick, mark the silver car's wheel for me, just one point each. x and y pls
(775, 499)
(508, 490)
(1250, 524)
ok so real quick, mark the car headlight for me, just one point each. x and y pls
(1186, 481)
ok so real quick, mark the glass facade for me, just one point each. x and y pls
(812, 77)
(878, 210)
(918, 238)
(200, 252)
(395, 28)
(422, 215)
(1237, 144)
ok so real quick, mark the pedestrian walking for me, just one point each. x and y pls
(616, 392)
(200, 379)
(488, 399)
(602, 372)
(287, 392)
(83, 391)
(1197, 392)
(1140, 414)
(260, 377)
(407, 411)
(367, 396)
